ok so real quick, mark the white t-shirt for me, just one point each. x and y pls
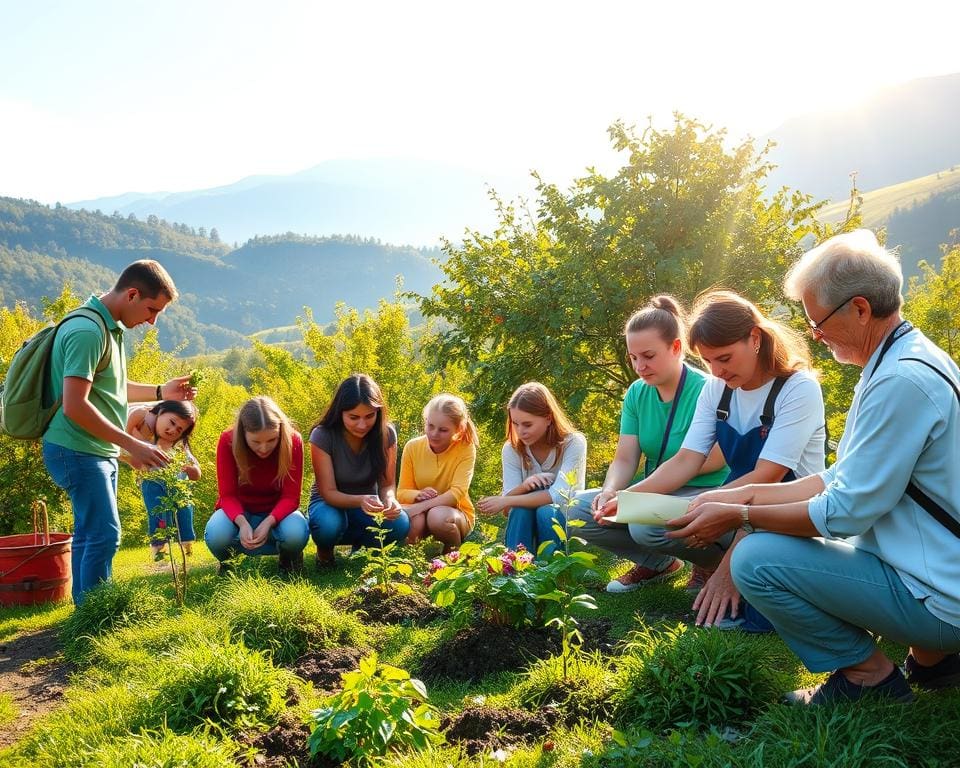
(796, 440)
(573, 458)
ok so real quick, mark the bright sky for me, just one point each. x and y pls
(109, 96)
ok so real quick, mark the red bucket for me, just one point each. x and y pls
(35, 567)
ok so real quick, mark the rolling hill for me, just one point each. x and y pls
(919, 215)
(226, 294)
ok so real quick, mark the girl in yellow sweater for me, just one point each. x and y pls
(435, 473)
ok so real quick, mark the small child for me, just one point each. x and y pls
(165, 424)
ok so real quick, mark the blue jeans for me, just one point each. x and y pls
(222, 535)
(91, 483)
(330, 526)
(827, 600)
(533, 527)
(153, 491)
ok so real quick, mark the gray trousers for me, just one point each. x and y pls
(643, 545)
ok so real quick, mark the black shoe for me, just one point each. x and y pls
(291, 565)
(225, 568)
(944, 674)
(837, 688)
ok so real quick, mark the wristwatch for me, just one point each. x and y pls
(745, 519)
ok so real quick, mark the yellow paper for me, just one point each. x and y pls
(647, 508)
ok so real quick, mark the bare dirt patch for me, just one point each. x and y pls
(283, 745)
(324, 668)
(485, 729)
(34, 674)
(390, 608)
(477, 651)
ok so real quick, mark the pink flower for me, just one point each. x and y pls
(161, 523)
(436, 564)
(510, 556)
(453, 556)
(521, 548)
(525, 558)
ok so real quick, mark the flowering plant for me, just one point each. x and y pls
(504, 583)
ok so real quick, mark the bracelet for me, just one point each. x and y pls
(159, 392)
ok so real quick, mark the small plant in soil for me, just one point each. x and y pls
(567, 569)
(381, 709)
(384, 570)
(178, 493)
(504, 583)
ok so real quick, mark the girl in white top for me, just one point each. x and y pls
(544, 465)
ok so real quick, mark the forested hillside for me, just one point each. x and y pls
(226, 294)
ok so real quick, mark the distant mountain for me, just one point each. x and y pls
(393, 200)
(226, 294)
(901, 133)
(919, 215)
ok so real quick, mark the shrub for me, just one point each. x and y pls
(108, 606)
(165, 749)
(380, 709)
(286, 620)
(136, 648)
(504, 583)
(228, 686)
(687, 676)
(581, 692)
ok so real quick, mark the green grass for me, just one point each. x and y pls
(151, 683)
(8, 709)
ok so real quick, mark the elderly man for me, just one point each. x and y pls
(871, 546)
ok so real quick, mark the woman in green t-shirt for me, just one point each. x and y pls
(657, 411)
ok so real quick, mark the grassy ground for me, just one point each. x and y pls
(124, 704)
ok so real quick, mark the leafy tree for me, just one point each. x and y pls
(545, 296)
(933, 300)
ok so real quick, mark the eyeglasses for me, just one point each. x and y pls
(817, 327)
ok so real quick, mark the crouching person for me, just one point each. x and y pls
(259, 477)
(868, 547)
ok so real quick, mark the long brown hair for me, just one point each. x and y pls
(720, 318)
(355, 390)
(534, 398)
(257, 414)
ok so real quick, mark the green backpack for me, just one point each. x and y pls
(26, 404)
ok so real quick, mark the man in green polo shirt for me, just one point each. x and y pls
(84, 439)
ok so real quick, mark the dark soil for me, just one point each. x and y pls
(34, 674)
(480, 650)
(484, 729)
(387, 608)
(284, 744)
(323, 668)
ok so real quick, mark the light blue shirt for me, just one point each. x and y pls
(903, 424)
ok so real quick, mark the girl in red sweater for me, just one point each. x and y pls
(259, 477)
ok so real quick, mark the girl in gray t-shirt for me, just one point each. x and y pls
(354, 452)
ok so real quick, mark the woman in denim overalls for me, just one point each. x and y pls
(764, 408)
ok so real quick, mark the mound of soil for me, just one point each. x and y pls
(484, 729)
(283, 745)
(477, 651)
(387, 608)
(323, 668)
(33, 673)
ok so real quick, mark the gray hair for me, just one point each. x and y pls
(848, 265)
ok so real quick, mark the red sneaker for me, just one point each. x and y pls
(698, 578)
(639, 575)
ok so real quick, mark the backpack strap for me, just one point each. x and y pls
(723, 407)
(92, 314)
(766, 418)
(935, 511)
